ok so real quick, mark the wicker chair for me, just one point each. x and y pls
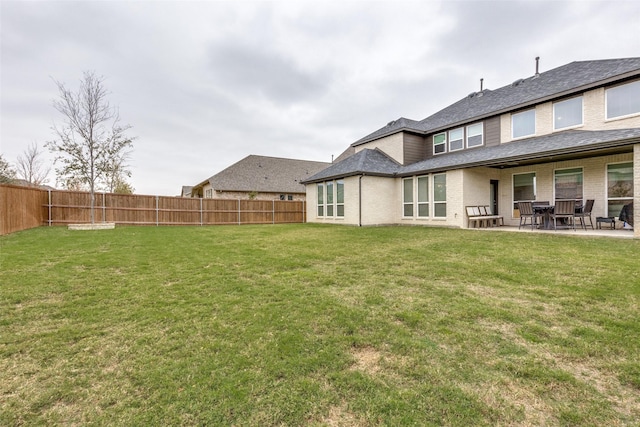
(565, 209)
(586, 213)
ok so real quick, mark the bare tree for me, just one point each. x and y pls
(7, 174)
(91, 136)
(31, 167)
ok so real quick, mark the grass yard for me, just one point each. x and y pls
(307, 324)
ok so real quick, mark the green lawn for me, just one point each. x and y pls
(318, 325)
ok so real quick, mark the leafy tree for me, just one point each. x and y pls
(7, 174)
(31, 167)
(91, 138)
(123, 187)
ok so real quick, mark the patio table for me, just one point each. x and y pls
(546, 211)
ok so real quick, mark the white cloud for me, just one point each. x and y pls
(206, 83)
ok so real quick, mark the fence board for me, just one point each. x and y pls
(24, 207)
(21, 208)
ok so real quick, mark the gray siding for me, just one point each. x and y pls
(414, 148)
(492, 131)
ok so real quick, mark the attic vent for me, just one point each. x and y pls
(517, 82)
(391, 123)
(472, 94)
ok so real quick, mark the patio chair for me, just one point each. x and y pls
(526, 211)
(586, 213)
(564, 209)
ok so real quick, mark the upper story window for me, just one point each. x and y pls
(475, 134)
(523, 124)
(623, 100)
(440, 143)
(456, 139)
(567, 113)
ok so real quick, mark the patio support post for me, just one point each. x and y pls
(636, 191)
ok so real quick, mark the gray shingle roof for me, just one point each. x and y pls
(375, 162)
(538, 148)
(367, 161)
(266, 174)
(570, 78)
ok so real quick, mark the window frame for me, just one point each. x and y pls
(339, 198)
(419, 202)
(513, 188)
(468, 135)
(408, 203)
(521, 114)
(609, 198)
(461, 139)
(438, 203)
(555, 189)
(329, 201)
(444, 143)
(320, 199)
(614, 89)
(565, 101)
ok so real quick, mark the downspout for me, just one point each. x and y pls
(360, 200)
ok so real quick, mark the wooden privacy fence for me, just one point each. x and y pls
(26, 208)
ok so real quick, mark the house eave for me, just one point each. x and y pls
(563, 154)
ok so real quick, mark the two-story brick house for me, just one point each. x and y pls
(569, 133)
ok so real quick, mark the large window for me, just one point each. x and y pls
(456, 139)
(329, 186)
(524, 188)
(623, 100)
(567, 113)
(568, 184)
(440, 195)
(475, 135)
(331, 198)
(417, 196)
(407, 197)
(340, 198)
(523, 124)
(619, 187)
(440, 143)
(423, 196)
(320, 191)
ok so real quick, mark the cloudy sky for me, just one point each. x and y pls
(205, 83)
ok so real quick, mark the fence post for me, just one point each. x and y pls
(273, 211)
(104, 209)
(239, 213)
(49, 207)
(201, 212)
(157, 210)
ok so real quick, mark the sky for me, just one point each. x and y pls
(204, 84)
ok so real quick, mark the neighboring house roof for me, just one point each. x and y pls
(558, 82)
(186, 191)
(265, 174)
(367, 161)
